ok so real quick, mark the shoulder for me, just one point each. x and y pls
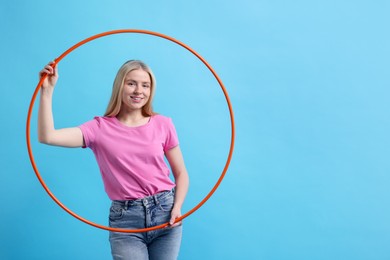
(164, 124)
(103, 118)
(98, 121)
(162, 120)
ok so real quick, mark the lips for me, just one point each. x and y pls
(136, 99)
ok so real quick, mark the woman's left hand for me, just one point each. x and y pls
(175, 213)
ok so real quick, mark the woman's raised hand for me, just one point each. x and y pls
(52, 75)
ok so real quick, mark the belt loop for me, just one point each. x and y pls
(126, 204)
(155, 199)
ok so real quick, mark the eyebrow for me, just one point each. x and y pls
(144, 82)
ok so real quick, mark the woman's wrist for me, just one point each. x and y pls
(177, 206)
(47, 91)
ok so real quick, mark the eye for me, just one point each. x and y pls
(146, 86)
(130, 83)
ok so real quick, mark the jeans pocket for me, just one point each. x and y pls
(166, 204)
(116, 213)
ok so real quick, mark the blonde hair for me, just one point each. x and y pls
(114, 106)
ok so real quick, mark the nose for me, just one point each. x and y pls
(137, 89)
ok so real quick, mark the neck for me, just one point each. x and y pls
(130, 114)
(133, 117)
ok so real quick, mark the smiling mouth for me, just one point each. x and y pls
(136, 99)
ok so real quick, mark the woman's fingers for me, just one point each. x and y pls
(174, 215)
(50, 68)
(47, 70)
(175, 225)
(52, 74)
(55, 69)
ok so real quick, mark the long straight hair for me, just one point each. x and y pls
(114, 106)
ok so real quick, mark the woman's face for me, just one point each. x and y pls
(136, 90)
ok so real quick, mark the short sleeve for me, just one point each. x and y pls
(171, 139)
(89, 130)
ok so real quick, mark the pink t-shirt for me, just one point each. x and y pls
(131, 159)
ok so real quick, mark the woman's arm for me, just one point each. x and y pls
(176, 161)
(47, 134)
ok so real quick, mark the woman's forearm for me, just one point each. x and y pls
(182, 183)
(45, 116)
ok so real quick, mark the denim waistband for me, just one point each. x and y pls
(146, 201)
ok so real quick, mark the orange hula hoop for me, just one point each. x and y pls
(57, 60)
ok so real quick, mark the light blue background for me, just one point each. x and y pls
(310, 86)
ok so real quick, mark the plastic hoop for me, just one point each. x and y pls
(57, 60)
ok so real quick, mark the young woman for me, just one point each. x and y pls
(129, 143)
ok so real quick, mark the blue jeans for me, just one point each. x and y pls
(161, 244)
